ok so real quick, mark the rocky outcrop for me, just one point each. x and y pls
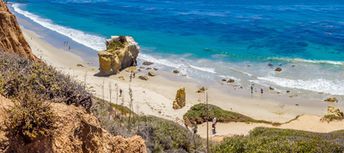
(333, 114)
(76, 131)
(121, 52)
(331, 99)
(11, 37)
(180, 99)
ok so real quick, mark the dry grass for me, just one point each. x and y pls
(19, 75)
(29, 119)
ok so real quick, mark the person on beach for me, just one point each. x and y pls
(120, 92)
(261, 90)
(251, 89)
(213, 125)
(194, 128)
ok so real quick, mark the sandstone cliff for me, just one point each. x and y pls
(76, 131)
(11, 37)
(121, 53)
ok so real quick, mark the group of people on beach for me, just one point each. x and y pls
(66, 45)
(252, 89)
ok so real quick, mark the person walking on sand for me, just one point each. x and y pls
(194, 128)
(213, 125)
(251, 89)
(120, 92)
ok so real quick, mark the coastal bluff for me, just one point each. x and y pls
(121, 52)
(11, 37)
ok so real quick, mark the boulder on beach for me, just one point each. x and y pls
(151, 73)
(331, 99)
(143, 77)
(175, 71)
(230, 81)
(180, 99)
(201, 90)
(147, 63)
(121, 52)
(278, 69)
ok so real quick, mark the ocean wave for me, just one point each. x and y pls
(300, 60)
(205, 69)
(183, 65)
(334, 87)
(91, 41)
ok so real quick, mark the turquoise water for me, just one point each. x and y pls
(211, 39)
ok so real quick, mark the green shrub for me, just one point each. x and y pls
(198, 114)
(160, 135)
(18, 75)
(30, 119)
(282, 141)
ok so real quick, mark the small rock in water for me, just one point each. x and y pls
(288, 91)
(147, 63)
(278, 69)
(331, 99)
(143, 77)
(151, 73)
(271, 65)
(80, 65)
(175, 71)
(271, 88)
(156, 69)
(224, 80)
(293, 65)
(231, 81)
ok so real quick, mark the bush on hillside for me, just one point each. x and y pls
(160, 135)
(18, 75)
(30, 119)
(282, 141)
(198, 114)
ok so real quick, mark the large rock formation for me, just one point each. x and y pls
(180, 99)
(11, 37)
(76, 131)
(121, 52)
(333, 114)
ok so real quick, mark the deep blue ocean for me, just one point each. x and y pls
(214, 38)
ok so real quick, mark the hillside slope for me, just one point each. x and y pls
(76, 131)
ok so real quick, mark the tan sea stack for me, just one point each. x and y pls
(121, 52)
(180, 99)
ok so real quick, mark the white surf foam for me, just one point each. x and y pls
(334, 87)
(91, 41)
(205, 69)
(300, 60)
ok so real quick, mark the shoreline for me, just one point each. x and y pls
(157, 94)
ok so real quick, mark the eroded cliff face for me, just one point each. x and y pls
(11, 37)
(76, 131)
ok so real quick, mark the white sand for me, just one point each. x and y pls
(155, 96)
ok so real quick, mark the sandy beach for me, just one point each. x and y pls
(155, 96)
